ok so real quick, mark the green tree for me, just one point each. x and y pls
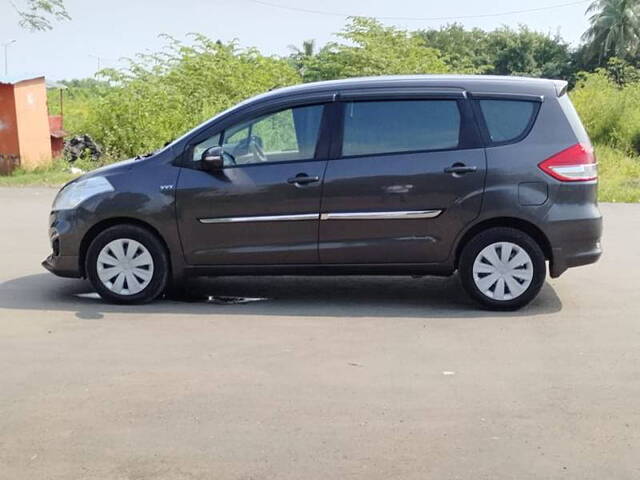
(38, 14)
(504, 51)
(465, 50)
(528, 53)
(369, 48)
(300, 55)
(162, 95)
(614, 30)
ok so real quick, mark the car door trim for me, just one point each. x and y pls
(392, 215)
(263, 218)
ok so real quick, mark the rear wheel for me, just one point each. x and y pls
(502, 268)
(127, 264)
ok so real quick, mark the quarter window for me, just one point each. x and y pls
(400, 126)
(200, 148)
(507, 120)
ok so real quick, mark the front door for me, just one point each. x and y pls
(262, 207)
(406, 182)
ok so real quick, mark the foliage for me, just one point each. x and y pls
(37, 15)
(619, 175)
(163, 95)
(464, 50)
(622, 72)
(610, 112)
(369, 48)
(524, 52)
(299, 55)
(79, 98)
(614, 29)
(503, 51)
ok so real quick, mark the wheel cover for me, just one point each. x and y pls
(125, 266)
(503, 271)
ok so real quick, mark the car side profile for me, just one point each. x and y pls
(493, 177)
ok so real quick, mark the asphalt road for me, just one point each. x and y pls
(328, 378)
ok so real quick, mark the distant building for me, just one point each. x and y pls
(24, 124)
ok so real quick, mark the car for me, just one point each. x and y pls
(491, 177)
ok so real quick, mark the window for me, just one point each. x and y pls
(286, 135)
(200, 148)
(400, 126)
(507, 119)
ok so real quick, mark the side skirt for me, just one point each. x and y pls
(435, 269)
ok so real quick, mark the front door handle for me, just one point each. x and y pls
(460, 169)
(303, 179)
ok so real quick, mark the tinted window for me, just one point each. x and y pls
(400, 126)
(200, 148)
(286, 135)
(507, 119)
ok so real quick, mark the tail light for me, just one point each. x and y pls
(574, 164)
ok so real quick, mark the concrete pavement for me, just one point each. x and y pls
(349, 378)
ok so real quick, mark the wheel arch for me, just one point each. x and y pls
(511, 222)
(101, 226)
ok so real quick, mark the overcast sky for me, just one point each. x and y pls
(112, 29)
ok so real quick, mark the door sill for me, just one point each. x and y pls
(436, 269)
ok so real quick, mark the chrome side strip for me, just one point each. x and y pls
(263, 218)
(397, 215)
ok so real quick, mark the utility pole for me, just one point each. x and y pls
(97, 57)
(6, 55)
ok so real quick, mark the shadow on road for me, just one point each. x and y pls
(293, 296)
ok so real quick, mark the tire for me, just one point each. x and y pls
(127, 264)
(494, 283)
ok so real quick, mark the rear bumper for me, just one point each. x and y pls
(63, 266)
(563, 259)
(575, 242)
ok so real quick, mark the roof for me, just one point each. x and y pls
(13, 79)
(469, 83)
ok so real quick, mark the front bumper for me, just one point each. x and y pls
(63, 266)
(64, 260)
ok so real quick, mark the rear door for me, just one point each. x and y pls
(406, 177)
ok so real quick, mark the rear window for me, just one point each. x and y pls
(400, 126)
(507, 120)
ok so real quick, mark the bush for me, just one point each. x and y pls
(619, 175)
(163, 95)
(610, 112)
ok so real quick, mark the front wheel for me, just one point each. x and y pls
(502, 268)
(127, 264)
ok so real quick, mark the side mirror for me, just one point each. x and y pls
(213, 159)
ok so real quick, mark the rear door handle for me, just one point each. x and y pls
(303, 179)
(460, 169)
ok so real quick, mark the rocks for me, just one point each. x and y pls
(81, 146)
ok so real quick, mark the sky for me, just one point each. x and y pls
(115, 29)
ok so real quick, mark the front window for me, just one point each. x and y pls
(287, 135)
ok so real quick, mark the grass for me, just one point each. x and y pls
(54, 175)
(619, 175)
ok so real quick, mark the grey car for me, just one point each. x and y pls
(492, 177)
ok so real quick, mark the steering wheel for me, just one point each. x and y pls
(256, 148)
(230, 156)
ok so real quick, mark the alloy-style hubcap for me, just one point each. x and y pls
(125, 266)
(503, 271)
